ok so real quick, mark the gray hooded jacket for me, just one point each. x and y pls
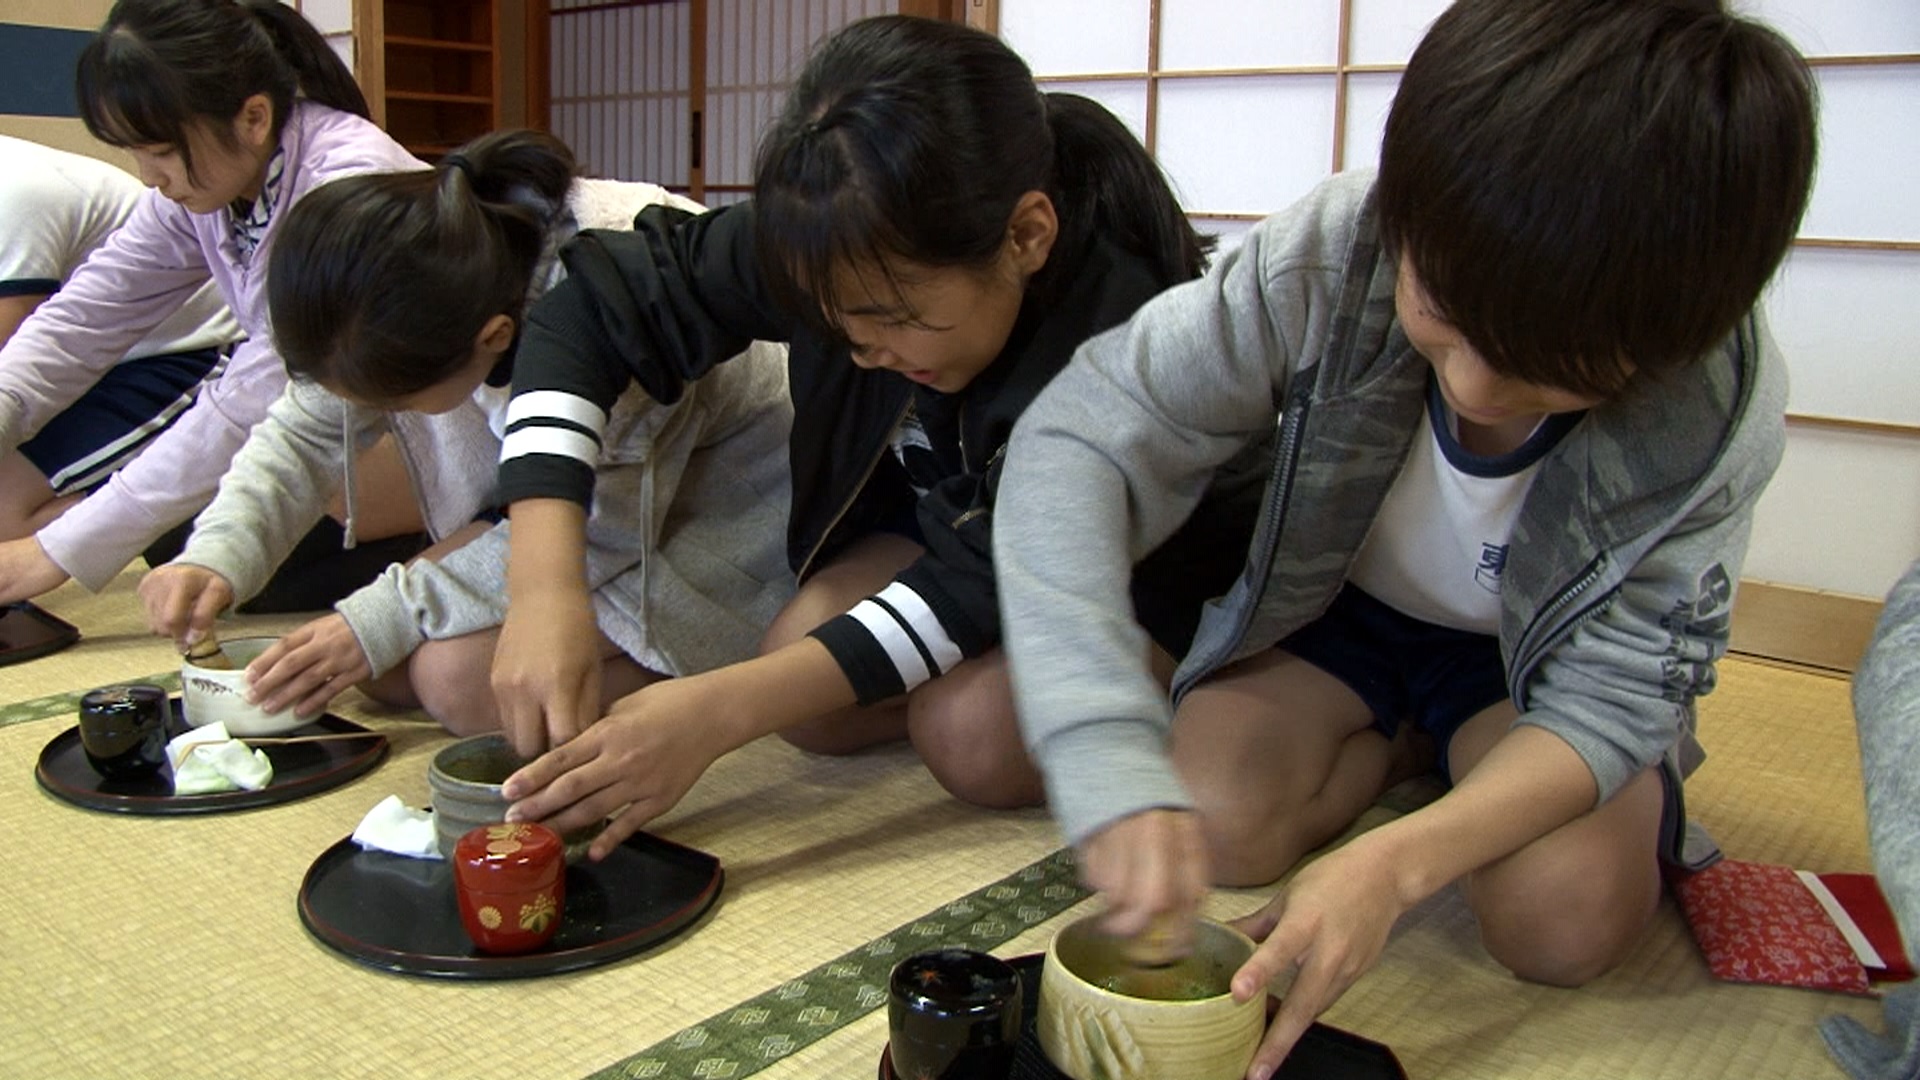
(1617, 589)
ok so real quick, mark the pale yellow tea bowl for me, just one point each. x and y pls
(1103, 1018)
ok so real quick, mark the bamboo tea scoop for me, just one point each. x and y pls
(291, 740)
(206, 653)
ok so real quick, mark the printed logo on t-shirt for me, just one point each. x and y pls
(1493, 560)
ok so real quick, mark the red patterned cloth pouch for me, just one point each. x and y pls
(1760, 923)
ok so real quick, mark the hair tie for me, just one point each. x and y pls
(457, 160)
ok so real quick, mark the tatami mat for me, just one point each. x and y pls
(170, 946)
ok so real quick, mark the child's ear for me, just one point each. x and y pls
(254, 123)
(1031, 230)
(496, 336)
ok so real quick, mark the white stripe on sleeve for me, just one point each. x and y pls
(925, 625)
(560, 442)
(557, 405)
(893, 638)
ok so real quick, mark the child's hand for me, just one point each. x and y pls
(1330, 922)
(182, 601)
(650, 748)
(308, 668)
(1148, 865)
(546, 670)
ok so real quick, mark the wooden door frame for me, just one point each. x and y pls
(539, 63)
(945, 10)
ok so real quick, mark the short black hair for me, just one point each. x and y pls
(1583, 185)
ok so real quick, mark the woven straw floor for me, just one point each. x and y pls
(170, 947)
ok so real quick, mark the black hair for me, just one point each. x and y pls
(913, 139)
(155, 66)
(1582, 185)
(379, 283)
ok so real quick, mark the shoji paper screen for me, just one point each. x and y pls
(623, 93)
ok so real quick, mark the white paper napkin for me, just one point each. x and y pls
(207, 759)
(396, 827)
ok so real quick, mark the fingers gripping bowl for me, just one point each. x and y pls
(218, 694)
(465, 779)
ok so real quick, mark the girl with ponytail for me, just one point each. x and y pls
(934, 237)
(397, 299)
(233, 112)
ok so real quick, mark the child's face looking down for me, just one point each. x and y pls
(942, 326)
(940, 329)
(451, 392)
(1477, 394)
(223, 171)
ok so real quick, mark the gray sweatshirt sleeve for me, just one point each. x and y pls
(1105, 464)
(463, 592)
(277, 487)
(1886, 705)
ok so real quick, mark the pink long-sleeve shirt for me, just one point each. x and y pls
(145, 271)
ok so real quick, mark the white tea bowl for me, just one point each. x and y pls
(219, 695)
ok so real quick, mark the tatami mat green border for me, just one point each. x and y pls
(21, 712)
(762, 1030)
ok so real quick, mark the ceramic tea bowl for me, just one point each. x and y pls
(220, 695)
(1104, 1018)
(465, 778)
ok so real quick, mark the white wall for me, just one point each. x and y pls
(1843, 513)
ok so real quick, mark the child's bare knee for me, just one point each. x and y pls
(451, 682)
(1248, 848)
(1566, 931)
(974, 752)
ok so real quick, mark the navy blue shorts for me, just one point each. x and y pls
(1404, 669)
(116, 419)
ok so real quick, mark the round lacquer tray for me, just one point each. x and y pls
(398, 914)
(299, 770)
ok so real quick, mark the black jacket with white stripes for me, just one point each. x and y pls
(680, 293)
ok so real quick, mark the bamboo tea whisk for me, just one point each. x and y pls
(206, 653)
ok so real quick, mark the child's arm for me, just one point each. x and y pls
(276, 488)
(656, 742)
(1107, 463)
(661, 306)
(546, 668)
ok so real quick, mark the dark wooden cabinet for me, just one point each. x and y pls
(440, 72)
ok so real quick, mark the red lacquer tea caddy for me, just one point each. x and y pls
(511, 883)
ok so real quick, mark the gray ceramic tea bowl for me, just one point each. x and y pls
(465, 778)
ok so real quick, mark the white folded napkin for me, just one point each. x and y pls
(207, 759)
(396, 827)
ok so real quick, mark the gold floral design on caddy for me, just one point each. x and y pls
(490, 917)
(536, 914)
(506, 839)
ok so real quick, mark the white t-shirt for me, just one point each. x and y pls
(1439, 546)
(55, 209)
